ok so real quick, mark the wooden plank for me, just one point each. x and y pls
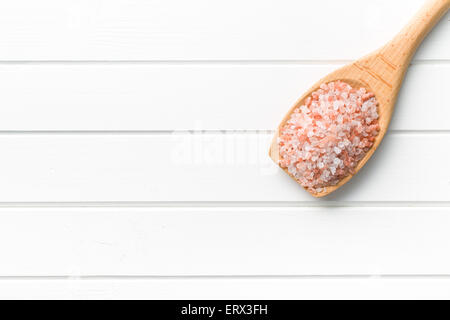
(203, 167)
(164, 97)
(131, 241)
(200, 30)
(228, 288)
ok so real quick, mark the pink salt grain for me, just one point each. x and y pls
(328, 135)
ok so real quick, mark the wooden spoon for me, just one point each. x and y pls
(382, 73)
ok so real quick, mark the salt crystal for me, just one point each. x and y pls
(336, 104)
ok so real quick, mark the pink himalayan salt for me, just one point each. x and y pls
(325, 138)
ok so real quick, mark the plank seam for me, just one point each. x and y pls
(183, 132)
(194, 62)
(229, 277)
(226, 204)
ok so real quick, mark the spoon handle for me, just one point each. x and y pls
(400, 50)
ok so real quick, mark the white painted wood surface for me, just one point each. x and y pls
(203, 167)
(134, 139)
(206, 30)
(233, 241)
(228, 288)
(189, 96)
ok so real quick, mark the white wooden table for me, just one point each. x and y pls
(134, 138)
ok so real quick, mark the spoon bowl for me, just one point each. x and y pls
(382, 73)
